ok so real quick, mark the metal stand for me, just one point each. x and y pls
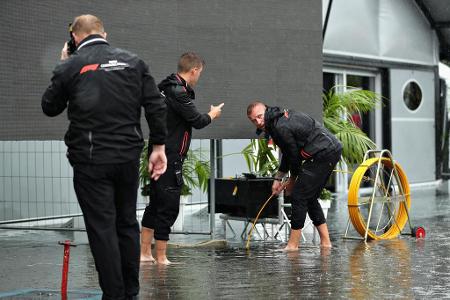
(248, 221)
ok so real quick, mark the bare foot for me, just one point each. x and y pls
(324, 236)
(146, 245)
(163, 262)
(294, 240)
(147, 258)
(325, 245)
(289, 248)
(161, 247)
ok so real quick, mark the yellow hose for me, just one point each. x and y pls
(247, 246)
(356, 217)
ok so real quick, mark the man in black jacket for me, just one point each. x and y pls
(104, 89)
(310, 153)
(182, 115)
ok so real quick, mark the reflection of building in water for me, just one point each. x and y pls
(381, 268)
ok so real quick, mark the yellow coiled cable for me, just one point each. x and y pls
(356, 217)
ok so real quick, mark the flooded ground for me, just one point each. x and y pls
(404, 268)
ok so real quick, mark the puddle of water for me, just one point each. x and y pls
(403, 268)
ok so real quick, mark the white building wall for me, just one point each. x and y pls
(380, 29)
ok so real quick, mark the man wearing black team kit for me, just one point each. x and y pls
(104, 89)
(182, 115)
(310, 153)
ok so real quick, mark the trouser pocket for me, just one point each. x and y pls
(178, 173)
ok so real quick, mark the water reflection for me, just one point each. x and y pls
(380, 268)
(403, 268)
(155, 276)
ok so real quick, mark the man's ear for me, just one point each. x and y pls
(104, 34)
(77, 38)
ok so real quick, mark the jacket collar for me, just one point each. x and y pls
(180, 81)
(92, 39)
(183, 82)
(270, 116)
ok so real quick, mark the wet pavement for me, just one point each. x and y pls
(403, 268)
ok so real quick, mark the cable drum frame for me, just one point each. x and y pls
(398, 217)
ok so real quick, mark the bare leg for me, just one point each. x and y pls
(324, 236)
(161, 247)
(146, 245)
(294, 240)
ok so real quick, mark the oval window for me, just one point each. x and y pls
(412, 95)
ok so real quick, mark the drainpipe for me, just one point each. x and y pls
(327, 16)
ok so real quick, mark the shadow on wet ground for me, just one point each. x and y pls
(403, 268)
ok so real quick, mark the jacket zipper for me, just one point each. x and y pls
(91, 148)
(183, 145)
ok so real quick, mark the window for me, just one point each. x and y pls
(412, 95)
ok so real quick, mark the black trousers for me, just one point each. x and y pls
(311, 180)
(107, 196)
(162, 211)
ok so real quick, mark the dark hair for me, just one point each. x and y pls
(188, 61)
(252, 105)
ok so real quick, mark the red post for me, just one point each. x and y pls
(65, 270)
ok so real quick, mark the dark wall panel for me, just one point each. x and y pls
(265, 50)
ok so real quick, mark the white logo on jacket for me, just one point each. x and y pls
(114, 65)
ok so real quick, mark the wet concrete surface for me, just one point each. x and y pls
(403, 268)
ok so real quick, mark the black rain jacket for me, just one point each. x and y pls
(299, 137)
(182, 115)
(104, 89)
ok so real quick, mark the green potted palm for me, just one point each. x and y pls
(261, 158)
(338, 111)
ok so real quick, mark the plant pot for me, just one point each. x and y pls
(178, 225)
(325, 204)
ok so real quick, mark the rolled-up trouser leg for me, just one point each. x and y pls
(167, 212)
(299, 209)
(148, 218)
(311, 180)
(162, 211)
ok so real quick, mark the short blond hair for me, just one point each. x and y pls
(188, 61)
(87, 24)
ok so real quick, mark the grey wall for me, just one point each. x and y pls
(267, 50)
(380, 29)
(413, 132)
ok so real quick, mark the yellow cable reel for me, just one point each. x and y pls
(379, 199)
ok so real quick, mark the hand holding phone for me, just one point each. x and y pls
(71, 47)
